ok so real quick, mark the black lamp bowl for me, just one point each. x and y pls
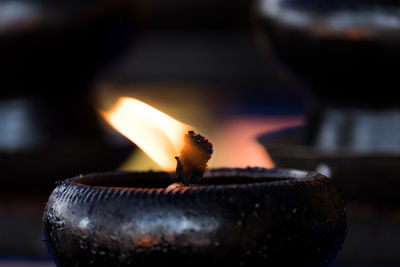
(344, 50)
(237, 217)
(54, 50)
(51, 53)
(344, 54)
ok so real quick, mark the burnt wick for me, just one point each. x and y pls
(193, 158)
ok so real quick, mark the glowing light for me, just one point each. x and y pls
(236, 143)
(157, 134)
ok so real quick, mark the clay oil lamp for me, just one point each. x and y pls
(51, 54)
(191, 216)
(344, 57)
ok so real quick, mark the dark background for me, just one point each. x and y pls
(62, 61)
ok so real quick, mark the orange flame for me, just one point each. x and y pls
(157, 134)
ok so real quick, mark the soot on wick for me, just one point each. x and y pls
(193, 158)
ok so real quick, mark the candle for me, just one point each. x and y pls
(230, 216)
